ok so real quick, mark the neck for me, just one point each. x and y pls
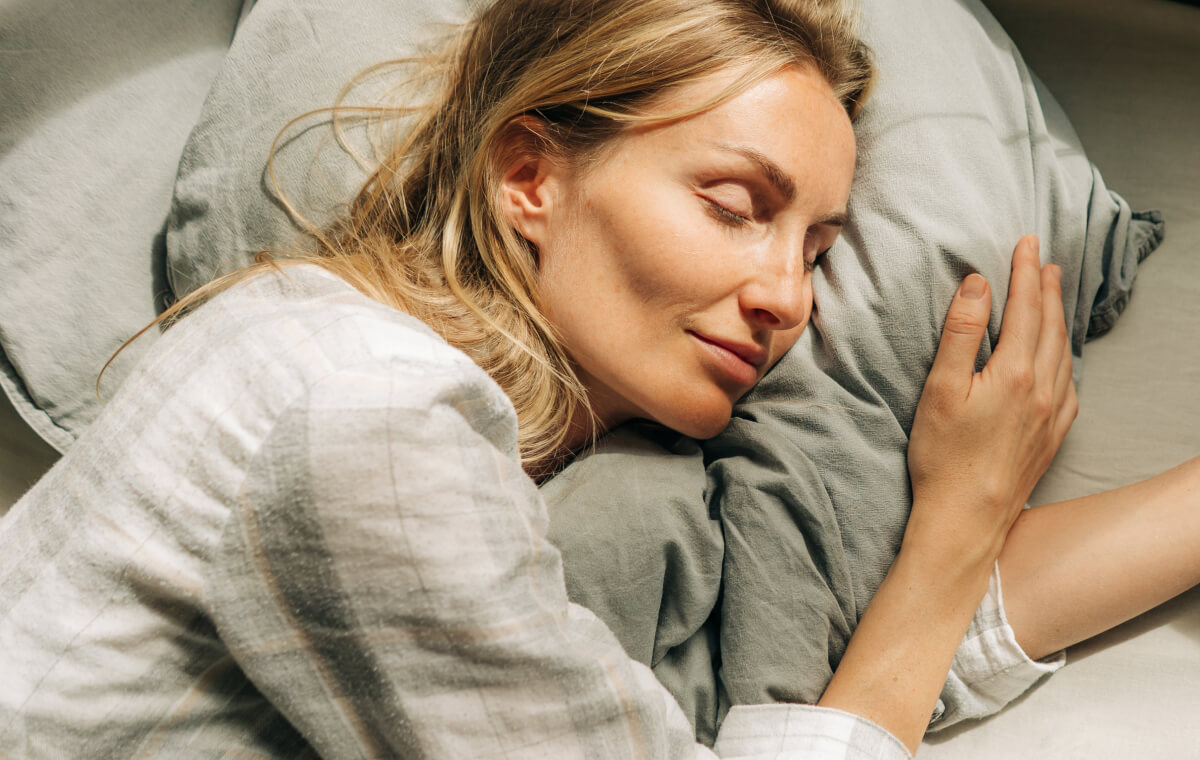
(582, 431)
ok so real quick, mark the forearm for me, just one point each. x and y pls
(896, 663)
(1074, 569)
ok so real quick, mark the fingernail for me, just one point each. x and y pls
(1035, 244)
(972, 287)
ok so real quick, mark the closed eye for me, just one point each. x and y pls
(810, 265)
(730, 201)
(724, 215)
(817, 236)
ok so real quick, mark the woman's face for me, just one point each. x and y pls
(677, 267)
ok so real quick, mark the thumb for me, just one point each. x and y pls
(966, 323)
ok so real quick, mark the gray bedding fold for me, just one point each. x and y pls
(644, 553)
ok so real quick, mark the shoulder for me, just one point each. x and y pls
(345, 351)
(311, 320)
(303, 337)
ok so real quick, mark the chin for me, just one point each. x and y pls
(699, 421)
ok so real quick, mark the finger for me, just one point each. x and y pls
(1066, 401)
(966, 324)
(1022, 323)
(1064, 382)
(1067, 411)
(1053, 335)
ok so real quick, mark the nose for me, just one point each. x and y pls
(778, 297)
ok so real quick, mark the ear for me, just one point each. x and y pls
(529, 180)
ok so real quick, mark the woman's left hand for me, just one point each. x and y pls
(982, 440)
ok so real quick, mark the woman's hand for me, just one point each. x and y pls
(981, 441)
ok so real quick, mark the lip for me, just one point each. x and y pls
(741, 362)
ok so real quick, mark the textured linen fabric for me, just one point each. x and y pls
(98, 101)
(651, 573)
(990, 669)
(644, 553)
(301, 529)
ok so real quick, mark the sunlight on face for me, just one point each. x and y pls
(677, 268)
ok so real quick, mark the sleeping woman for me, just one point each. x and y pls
(308, 524)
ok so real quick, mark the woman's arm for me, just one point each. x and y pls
(897, 660)
(980, 442)
(1076, 568)
(385, 581)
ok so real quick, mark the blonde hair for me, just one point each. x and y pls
(426, 233)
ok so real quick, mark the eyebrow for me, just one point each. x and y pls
(780, 180)
(839, 219)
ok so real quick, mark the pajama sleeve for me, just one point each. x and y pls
(990, 669)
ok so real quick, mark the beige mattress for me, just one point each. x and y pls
(1128, 73)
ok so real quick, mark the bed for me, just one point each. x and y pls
(90, 255)
(1128, 74)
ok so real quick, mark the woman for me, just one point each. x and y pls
(307, 525)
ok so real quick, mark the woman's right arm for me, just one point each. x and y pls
(385, 581)
(980, 442)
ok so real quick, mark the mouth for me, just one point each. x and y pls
(740, 362)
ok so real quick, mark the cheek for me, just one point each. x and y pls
(663, 256)
(637, 242)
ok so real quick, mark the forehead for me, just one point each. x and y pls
(792, 119)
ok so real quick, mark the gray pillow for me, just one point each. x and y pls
(99, 98)
(289, 57)
(802, 500)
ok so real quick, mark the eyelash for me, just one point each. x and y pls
(724, 215)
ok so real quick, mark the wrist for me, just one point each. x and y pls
(897, 660)
(955, 538)
(954, 580)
